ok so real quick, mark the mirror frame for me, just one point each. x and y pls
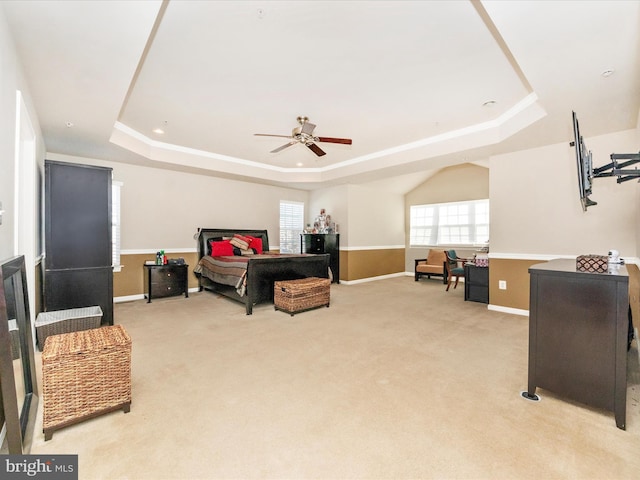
(19, 424)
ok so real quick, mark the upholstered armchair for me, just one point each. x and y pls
(454, 267)
(434, 264)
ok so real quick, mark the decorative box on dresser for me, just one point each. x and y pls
(78, 264)
(476, 283)
(166, 281)
(324, 243)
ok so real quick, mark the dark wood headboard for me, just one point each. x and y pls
(207, 234)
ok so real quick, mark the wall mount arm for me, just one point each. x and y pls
(617, 169)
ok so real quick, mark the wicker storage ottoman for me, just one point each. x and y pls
(293, 296)
(65, 321)
(85, 374)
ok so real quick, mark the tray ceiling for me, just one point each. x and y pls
(408, 82)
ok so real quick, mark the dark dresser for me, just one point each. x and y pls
(476, 283)
(578, 331)
(324, 243)
(166, 281)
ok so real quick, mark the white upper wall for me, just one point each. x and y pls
(451, 184)
(163, 209)
(8, 86)
(375, 218)
(367, 217)
(535, 206)
(335, 201)
(12, 80)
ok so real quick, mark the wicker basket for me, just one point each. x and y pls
(65, 321)
(592, 263)
(85, 374)
(293, 296)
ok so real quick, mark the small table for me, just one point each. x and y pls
(166, 280)
(476, 283)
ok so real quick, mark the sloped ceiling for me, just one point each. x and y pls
(408, 82)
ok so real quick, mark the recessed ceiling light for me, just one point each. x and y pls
(158, 131)
(489, 103)
(608, 72)
(299, 164)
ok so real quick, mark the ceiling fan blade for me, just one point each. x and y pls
(345, 141)
(307, 128)
(269, 135)
(284, 146)
(315, 149)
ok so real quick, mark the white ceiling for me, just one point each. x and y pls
(405, 80)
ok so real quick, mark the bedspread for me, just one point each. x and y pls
(232, 270)
(225, 270)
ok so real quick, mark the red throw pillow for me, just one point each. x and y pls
(256, 244)
(221, 249)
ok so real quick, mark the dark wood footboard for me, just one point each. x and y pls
(263, 272)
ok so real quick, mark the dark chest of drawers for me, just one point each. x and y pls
(318, 243)
(578, 332)
(166, 281)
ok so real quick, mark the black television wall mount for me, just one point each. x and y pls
(619, 169)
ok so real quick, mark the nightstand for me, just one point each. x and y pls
(476, 283)
(166, 281)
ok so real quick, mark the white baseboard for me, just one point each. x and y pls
(371, 279)
(132, 298)
(128, 298)
(514, 311)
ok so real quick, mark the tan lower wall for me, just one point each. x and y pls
(359, 264)
(516, 274)
(354, 265)
(130, 280)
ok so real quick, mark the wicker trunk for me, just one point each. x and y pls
(85, 374)
(65, 321)
(294, 296)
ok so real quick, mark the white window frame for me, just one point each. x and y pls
(291, 225)
(449, 224)
(116, 188)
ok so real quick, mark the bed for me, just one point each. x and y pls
(249, 279)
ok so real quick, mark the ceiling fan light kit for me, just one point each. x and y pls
(304, 134)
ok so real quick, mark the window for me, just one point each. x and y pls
(115, 225)
(457, 223)
(291, 226)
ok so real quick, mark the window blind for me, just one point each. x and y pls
(291, 226)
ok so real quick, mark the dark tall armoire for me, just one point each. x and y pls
(77, 267)
(324, 243)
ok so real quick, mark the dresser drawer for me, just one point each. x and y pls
(167, 276)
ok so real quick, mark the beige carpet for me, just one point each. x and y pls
(396, 380)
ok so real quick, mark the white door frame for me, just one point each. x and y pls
(26, 216)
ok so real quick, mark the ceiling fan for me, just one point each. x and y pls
(304, 134)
